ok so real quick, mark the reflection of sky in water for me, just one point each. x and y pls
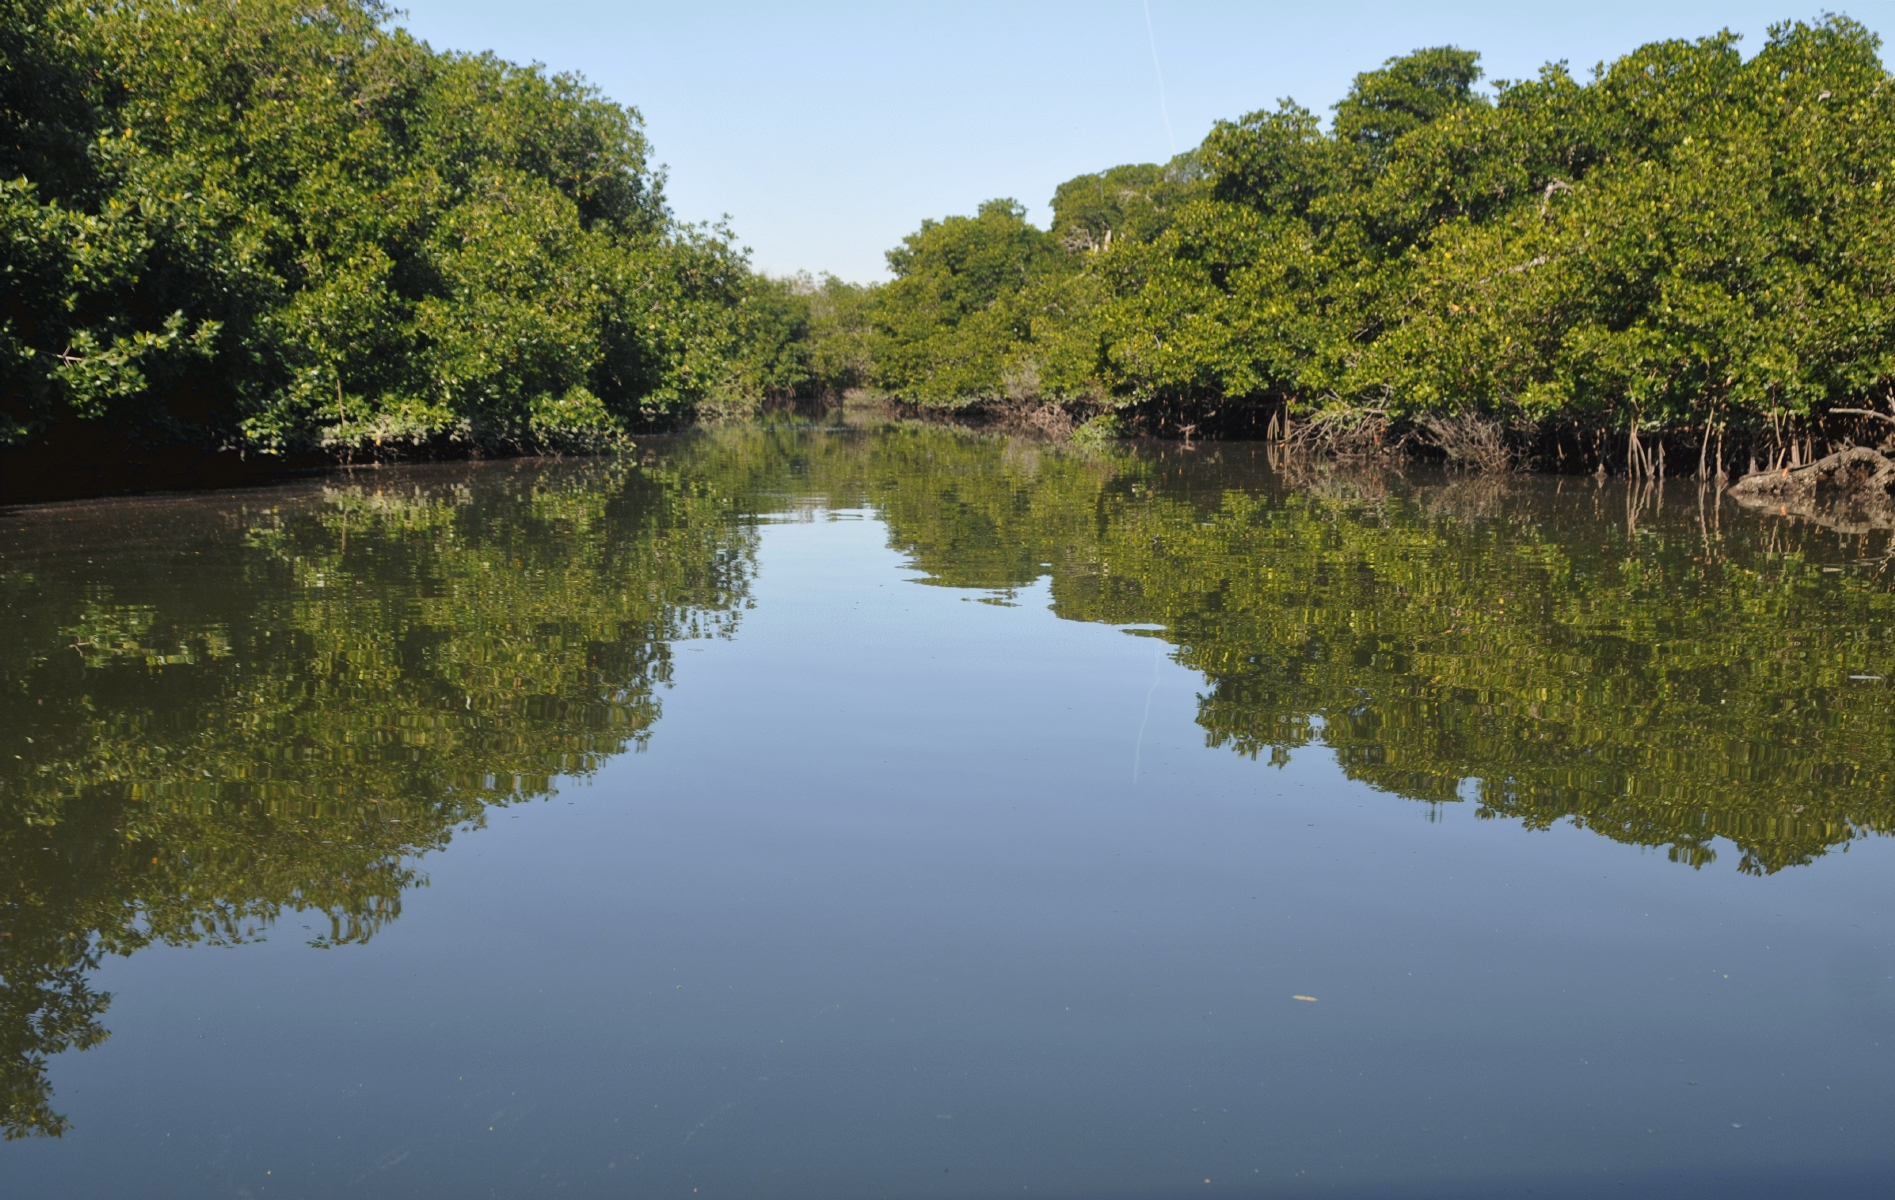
(884, 907)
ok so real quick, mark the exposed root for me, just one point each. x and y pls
(1343, 433)
(1473, 441)
(1019, 418)
(1049, 420)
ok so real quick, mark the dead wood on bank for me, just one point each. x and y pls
(1850, 491)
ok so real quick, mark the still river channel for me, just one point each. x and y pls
(900, 812)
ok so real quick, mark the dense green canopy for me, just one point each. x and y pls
(271, 227)
(1688, 243)
(268, 228)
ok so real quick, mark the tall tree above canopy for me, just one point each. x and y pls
(945, 325)
(1272, 161)
(1135, 200)
(1405, 94)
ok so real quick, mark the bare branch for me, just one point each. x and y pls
(1546, 197)
(1861, 412)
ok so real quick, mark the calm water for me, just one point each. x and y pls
(902, 813)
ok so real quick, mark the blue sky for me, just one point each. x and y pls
(828, 130)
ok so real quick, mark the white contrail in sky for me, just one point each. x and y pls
(1163, 111)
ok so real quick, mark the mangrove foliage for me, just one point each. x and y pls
(276, 228)
(1683, 252)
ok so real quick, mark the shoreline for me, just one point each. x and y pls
(1793, 479)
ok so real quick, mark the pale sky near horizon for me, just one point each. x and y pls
(827, 130)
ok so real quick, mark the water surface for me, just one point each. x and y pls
(901, 812)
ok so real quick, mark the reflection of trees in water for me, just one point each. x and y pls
(279, 702)
(1663, 681)
(1640, 687)
(1661, 669)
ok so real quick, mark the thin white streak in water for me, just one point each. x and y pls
(1138, 748)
